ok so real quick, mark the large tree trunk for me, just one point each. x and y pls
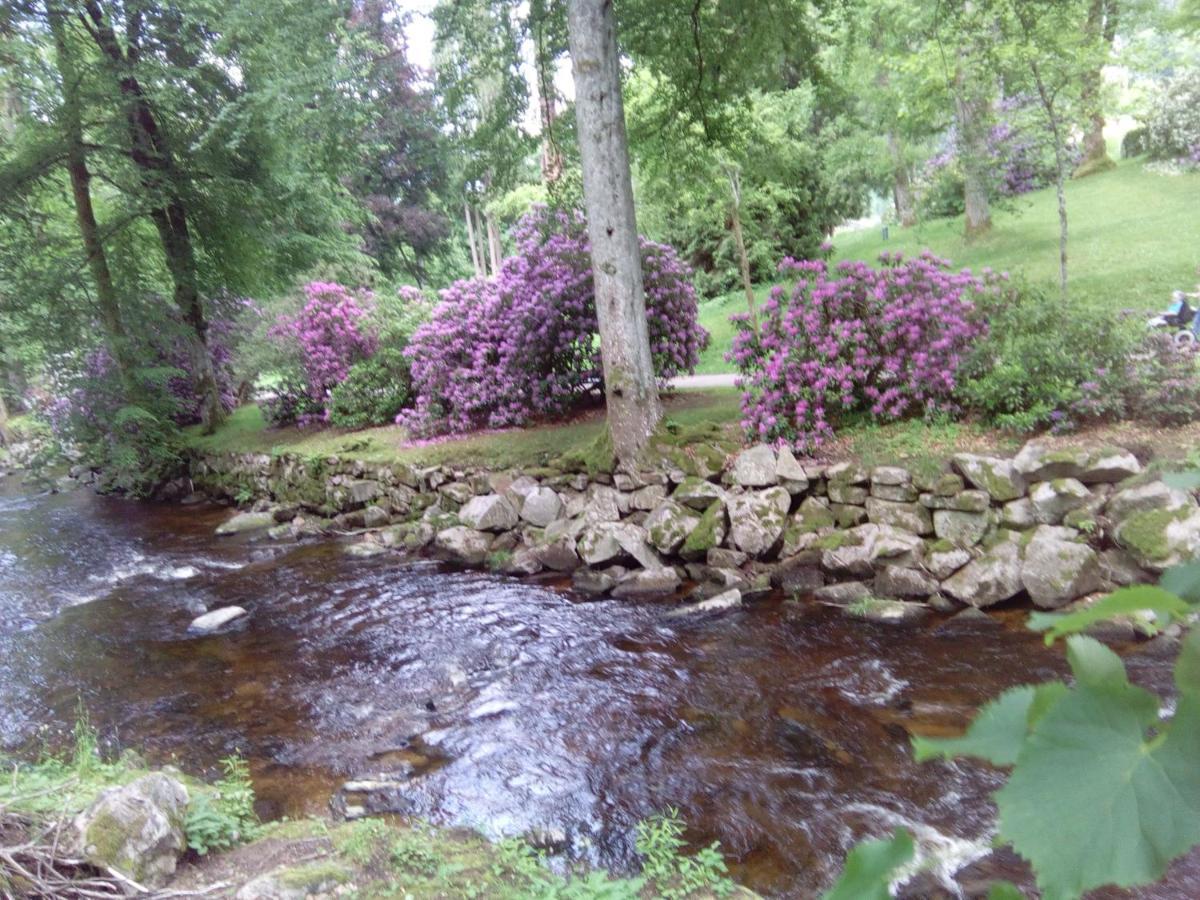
(629, 384)
(475, 260)
(1101, 29)
(156, 169)
(971, 114)
(115, 335)
(902, 194)
(5, 432)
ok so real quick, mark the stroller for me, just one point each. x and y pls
(1182, 319)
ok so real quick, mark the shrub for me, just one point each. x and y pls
(1136, 142)
(887, 342)
(226, 819)
(524, 344)
(1028, 369)
(1159, 383)
(1174, 123)
(374, 391)
(331, 333)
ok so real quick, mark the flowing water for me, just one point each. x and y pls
(780, 730)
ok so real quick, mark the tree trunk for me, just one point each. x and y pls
(629, 384)
(5, 433)
(902, 194)
(156, 170)
(1060, 172)
(116, 338)
(495, 252)
(970, 107)
(1101, 28)
(735, 215)
(480, 241)
(475, 260)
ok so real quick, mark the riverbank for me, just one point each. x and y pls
(714, 525)
(84, 826)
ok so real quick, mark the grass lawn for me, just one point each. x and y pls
(1134, 238)
(246, 432)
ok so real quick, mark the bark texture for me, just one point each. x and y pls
(971, 114)
(107, 301)
(629, 384)
(155, 165)
(902, 193)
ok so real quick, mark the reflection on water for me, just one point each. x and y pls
(780, 730)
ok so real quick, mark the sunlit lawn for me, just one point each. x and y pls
(1134, 237)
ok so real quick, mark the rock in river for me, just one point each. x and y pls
(247, 521)
(211, 621)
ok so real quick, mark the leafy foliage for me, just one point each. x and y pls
(1119, 774)
(869, 868)
(373, 391)
(227, 818)
(1173, 125)
(1040, 356)
(1126, 601)
(524, 345)
(675, 876)
(887, 342)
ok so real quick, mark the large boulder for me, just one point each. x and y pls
(1037, 461)
(136, 829)
(945, 559)
(247, 521)
(361, 492)
(647, 582)
(896, 581)
(669, 525)
(606, 542)
(1143, 498)
(756, 520)
(755, 467)
(905, 516)
(962, 529)
(999, 477)
(790, 473)
(697, 493)
(1054, 499)
(707, 535)
(1056, 569)
(990, 579)
(541, 506)
(463, 544)
(1158, 539)
(490, 512)
(603, 504)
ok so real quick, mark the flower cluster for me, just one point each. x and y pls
(524, 345)
(332, 333)
(886, 341)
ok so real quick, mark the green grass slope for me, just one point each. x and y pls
(1134, 238)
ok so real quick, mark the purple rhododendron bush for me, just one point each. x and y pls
(887, 342)
(329, 334)
(524, 345)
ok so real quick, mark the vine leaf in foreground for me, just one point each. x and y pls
(870, 868)
(1104, 792)
(999, 730)
(1119, 603)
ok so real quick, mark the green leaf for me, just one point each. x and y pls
(1096, 796)
(1004, 890)
(1183, 580)
(996, 733)
(1119, 603)
(870, 868)
(1094, 664)
(1182, 481)
(1187, 667)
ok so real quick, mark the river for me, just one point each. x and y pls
(780, 730)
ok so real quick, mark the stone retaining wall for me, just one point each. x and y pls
(1053, 526)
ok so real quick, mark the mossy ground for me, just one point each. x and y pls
(580, 441)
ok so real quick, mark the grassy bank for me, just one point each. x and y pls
(1134, 237)
(369, 858)
(246, 432)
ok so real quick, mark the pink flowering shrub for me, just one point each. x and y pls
(525, 344)
(330, 333)
(887, 342)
